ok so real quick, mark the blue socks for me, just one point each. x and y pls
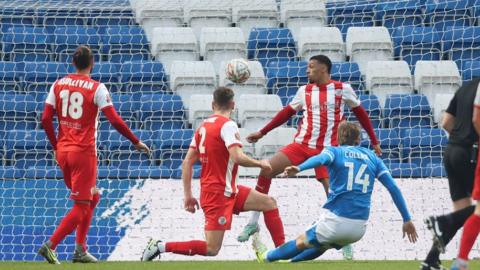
(308, 254)
(284, 252)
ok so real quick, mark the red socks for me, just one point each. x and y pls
(275, 226)
(189, 248)
(84, 226)
(263, 184)
(471, 228)
(69, 223)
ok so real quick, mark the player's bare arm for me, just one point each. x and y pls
(190, 203)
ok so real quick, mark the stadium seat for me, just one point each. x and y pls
(271, 44)
(192, 77)
(252, 112)
(440, 105)
(365, 44)
(436, 77)
(407, 111)
(39, 76)
(390, 142)
(399, 14)
(52, 17)
(161, 111)
(143, 76)
(125, 43)
(404, 170)
(127, 106)
(470, 70)
(158, 13)
(348, 72)
(26, 148)
(296, 14)
(321, 40)
(371, 104)
(23, 43)
(200, 109)
(254, 13)
(218, 44)
(286, 74)
(462, 44)
(256, 84)
(207, 13)
(118, 151)
(17, 111)
(11, 74)
(346, 14)
(423, 146)
(181, 38)
(383, 78)
(417, 43)
(274, 141)
(445, 13)
(171, 146)
(68, 38)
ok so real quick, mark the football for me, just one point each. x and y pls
(237, 70)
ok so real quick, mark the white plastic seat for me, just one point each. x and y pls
(158, 13)
(436, 77)
(321, 40)
(192, 77)
(254, 111)
(200, 109)
(256, 84)
(174, 43)
(207, 13)
(440, 105)
(247, 14)
(365, 44)
(388, 77)
(218, 44)
(296, 14)
(274, 141)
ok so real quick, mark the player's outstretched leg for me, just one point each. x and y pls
(81, 254)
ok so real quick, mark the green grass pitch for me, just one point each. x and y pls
(231, 265)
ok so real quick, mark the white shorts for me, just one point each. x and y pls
(332, 231)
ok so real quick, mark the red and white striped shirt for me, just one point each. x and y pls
(323, 109)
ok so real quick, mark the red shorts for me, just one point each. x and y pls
(79, 173)
(476, 184)
(298, 153)
(218, 208)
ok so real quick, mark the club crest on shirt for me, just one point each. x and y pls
(222, 220)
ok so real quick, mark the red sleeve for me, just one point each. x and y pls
(280, 118)
(364, 120)
(47, 124)
(118, 123)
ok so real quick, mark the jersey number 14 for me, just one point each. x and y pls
(360, 178)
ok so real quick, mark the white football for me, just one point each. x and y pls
(237, 70)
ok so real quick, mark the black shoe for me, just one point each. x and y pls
(434, 227)
(436, 266)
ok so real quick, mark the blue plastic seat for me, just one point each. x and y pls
(399, 13)
(413, 43)
(348, 72)
(27, 148)
(286, 73)
(462, 44)
(39, 76)
(23, 43)
(405, 110)
(17, 111)
(423, 146)
(351, 13)
(470, 70)
(143, 76)
(68, 38)
(125, 43)
(371, 104)
(11, 74)
(404, 170)
(445, 13)
(271, 44)
(161, 111)
(171, 146)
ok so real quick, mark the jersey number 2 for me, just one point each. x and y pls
(360, 178)
(71, 104)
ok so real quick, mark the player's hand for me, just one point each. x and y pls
(140, 146)
(265, 165)
(254, 137)
(409, 229)
(291, 171)
(190, 204)
(377, 149)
